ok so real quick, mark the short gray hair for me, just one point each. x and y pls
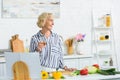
(42, 19)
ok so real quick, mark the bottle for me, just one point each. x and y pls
(111, 62)
(108, 20)
(26, 46)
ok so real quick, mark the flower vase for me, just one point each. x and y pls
(79, 48)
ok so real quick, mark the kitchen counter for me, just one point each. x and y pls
(79, 77)
(94, 77)
(85, 77)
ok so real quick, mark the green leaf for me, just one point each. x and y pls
(117, 72)
(62, 77)
(50, 78)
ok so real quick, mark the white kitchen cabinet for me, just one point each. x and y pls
(2, 66)
(103, 44)
(2, 69)
(71, 63)
(78, 61)
(85, 62)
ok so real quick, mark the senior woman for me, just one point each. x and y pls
(48, 44)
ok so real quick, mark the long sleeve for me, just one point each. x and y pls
(32, 45)
(61, 60)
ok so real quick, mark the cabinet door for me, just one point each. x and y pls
(2, 69)
(72, 63)
(84, 62)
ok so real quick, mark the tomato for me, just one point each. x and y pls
(84, 71)
(96, 65)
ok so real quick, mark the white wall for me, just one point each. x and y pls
(75, 17)
(116, 24)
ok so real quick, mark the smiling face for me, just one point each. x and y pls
(49, 23)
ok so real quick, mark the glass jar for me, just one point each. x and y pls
(108, 20)
(79, 48)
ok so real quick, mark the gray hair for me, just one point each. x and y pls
(42, 19)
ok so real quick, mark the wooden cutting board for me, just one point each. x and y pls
(65, 72)
(17, 45)
(11, 40)
(21, 71)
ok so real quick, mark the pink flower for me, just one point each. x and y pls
(80, 37)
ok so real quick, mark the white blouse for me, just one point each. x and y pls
(51, 55)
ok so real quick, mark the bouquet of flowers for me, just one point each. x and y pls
(79, 37)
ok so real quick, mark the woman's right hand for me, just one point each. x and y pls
(40, 46)
(69, 69)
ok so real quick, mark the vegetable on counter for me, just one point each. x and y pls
(75, 73)
(111, 71)
(92, 69)
(84, 71)
(96, 65)
(57, 75)
(44, 74)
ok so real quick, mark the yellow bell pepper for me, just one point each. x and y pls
(57, 75)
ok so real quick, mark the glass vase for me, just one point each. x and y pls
(79, 48)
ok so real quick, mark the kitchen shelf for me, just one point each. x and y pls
(103, 43)
(107, 67)
(77, 56)
(106, 54)
(102, 27)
